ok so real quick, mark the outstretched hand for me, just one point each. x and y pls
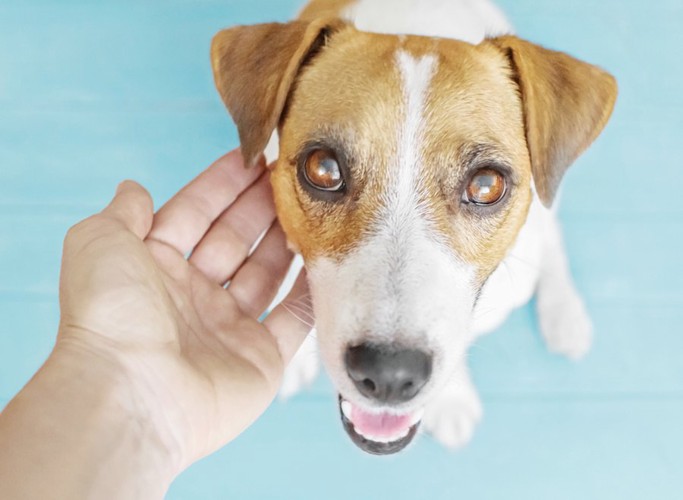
(199, 365)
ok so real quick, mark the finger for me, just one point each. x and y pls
(184, 219)
(133, 207)
(258, 280)
(226, 245)
(289, 322)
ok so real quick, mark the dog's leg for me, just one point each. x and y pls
(452, 417)
(302, 370)
(562, 315)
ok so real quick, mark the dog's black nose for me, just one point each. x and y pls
(387, 374)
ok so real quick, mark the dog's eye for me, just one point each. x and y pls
(322, 171)
(486, 187)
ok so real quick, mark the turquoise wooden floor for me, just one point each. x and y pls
(95, 92)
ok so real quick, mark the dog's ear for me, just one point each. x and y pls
(566, 104)
(254, 68)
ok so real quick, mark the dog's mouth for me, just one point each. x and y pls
(378, 433)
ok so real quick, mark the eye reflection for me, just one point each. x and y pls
(322, 171)
(486, 187)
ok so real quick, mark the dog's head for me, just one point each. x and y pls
(406, 169)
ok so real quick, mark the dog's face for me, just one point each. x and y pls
(405, 172)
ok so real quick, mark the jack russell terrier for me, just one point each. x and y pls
(420, 150)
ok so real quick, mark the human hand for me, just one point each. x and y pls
(197, 365)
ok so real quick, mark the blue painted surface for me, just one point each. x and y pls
(94, 92)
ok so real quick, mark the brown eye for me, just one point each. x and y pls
(486, 187)
(322, 171)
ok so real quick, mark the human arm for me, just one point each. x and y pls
(156, 364)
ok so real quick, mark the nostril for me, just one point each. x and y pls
(369, 385)
(407, 389)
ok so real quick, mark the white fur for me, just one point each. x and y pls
(453, 414)
(431, 291)
(467, 20)
(416, 75)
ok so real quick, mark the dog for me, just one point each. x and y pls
(421, 147)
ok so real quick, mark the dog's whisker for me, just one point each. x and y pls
(478, 347)
(546, 270)
(511, 281)
(301, 308)
(297, 314)
(485, 312)
(302, 305)
(304, 301)
(525, 262)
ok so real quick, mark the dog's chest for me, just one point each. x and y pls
(514, 281)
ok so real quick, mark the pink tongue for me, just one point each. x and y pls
(383, 425)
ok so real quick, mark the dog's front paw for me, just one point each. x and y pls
(453, 416)
(565, 324)
(302, 370)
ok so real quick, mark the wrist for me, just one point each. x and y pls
(84, 408)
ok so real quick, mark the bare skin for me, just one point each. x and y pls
(156, 364)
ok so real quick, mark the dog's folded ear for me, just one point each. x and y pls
(254, 68)
(566, 105)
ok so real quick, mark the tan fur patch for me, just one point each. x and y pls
(470, 101)
(318, 9)
(354, 103)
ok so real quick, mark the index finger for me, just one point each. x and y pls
(184, 219)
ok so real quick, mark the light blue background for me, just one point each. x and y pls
(92, 92)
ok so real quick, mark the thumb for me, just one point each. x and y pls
(132, 206)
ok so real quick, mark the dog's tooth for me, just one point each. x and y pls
(366, 436)
(417, 416)
(369, 437)
(346, 409)
(377, 439)
(402, 435)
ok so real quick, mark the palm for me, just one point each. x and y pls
(199, 349)
(214, 349)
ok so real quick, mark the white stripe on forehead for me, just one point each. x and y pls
(416, 75)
